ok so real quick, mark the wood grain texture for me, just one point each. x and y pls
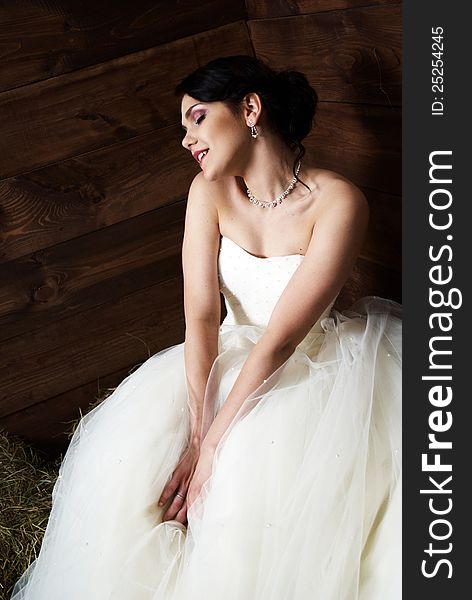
(91, 270)
(348, 56)
(383, 243)
(76, 349)
(46, 425)
(369, 279)
(92, 198)
(39, 40)
(68, 115)
(93, 191)
(361, 142)
(101, 188)
(263, 9)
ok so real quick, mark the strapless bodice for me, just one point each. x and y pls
(252, 285)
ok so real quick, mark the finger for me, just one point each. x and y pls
(174, 507)
(182, 514)
(169, 490)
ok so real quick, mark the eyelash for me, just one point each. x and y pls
(197, 122)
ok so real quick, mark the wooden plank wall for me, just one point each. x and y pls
(350, 51)
(93, 183)
(91, 207)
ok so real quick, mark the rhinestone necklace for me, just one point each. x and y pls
(279, 198)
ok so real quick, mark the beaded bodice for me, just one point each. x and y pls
(252, 285)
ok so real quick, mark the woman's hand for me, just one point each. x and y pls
(177, 487)
(202, 473)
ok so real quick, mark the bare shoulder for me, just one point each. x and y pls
(201, 230)
(211, 192)
(201, 191)
(215, 197)
(336, 194)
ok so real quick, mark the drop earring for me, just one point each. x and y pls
(254, 132)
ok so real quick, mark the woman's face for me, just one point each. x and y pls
(213, 127)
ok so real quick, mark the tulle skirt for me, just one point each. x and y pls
(303, 500)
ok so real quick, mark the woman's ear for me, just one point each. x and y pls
(252, 107)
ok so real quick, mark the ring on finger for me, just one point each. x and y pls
(180, 496)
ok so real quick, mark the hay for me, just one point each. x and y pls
(27, 478)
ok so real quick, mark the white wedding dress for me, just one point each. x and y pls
(304, 499)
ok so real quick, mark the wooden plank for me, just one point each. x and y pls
(71, 114)
(36, 294)
(348, 56)
(369, 279)
(43, 284)
(46, 425)
(79, 348)
(363, 143)
(383, 243)
(90, 270)
(264, 9)
(45, 39)
(101, 188)
(98, 189)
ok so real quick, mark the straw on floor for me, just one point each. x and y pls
(27, 479)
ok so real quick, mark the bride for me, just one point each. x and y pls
(259, 459)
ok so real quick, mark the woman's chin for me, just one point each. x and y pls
(210, 175)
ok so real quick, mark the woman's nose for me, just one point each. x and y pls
(187, 141)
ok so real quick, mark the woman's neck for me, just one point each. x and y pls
(269, 170)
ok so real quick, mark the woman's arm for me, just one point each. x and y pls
(336, 241)
(202, 319)
(201, 294)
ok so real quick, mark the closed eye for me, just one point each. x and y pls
(197, 122)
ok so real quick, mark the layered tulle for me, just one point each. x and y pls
(304, 497)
